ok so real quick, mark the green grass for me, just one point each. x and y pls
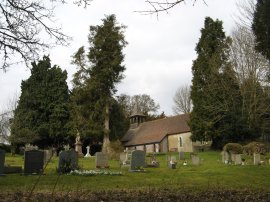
(210, 174)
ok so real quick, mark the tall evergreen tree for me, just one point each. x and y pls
(97, 80)
(215, 92)
(261, 27)
(42, 113)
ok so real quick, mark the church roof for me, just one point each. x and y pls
(155, 131)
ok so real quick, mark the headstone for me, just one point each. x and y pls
(68, 161)
(238, 159)
(233, 157)
(88, 152)
(137, 160)
(225, 157)
(102, 160)
(2, 162)
(48, 153)
(181, 155)
(195, 160)
(171, 160)
(256, 159)
(123, 158)
(33, 162)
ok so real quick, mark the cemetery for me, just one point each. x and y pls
(202, 171)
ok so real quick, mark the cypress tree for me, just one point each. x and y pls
(215, 93)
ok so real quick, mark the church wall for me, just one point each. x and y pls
(180, 142)
(164, 145)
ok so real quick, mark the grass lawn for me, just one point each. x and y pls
(210, 174)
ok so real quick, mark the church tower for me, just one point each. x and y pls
(136, 118)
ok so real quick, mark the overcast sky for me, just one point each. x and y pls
(160, 52)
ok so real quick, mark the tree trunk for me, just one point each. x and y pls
(106, 140)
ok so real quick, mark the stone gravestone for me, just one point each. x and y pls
(88, 152)
(195, 160)
(172, 162)
(2, 162)
(137, 160)
(225, 157)
(68, 160)
(237, 159)
(256, 159)
(33, 162)
(123, 159)
(233, 157)
(48, 153)
(181, 155)
(102, 160)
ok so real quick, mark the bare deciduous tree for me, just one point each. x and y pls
(6, 117)
(160, 6)
(23, 23)
(252, 69)
(182, 100)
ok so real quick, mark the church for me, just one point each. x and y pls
(169, 134)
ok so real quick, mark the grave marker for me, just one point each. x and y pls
(102, 160)
(181, 155)
(33, 162)
(238, 159)
(225, 157)
(137, 160)
(68, 160)
(2, 162)
(195, 160)
(256, 159)
(47, 155)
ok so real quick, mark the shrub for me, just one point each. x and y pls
(233, 148)
(256, 147)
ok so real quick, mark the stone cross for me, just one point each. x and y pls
(88, 152)
(66, 147)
